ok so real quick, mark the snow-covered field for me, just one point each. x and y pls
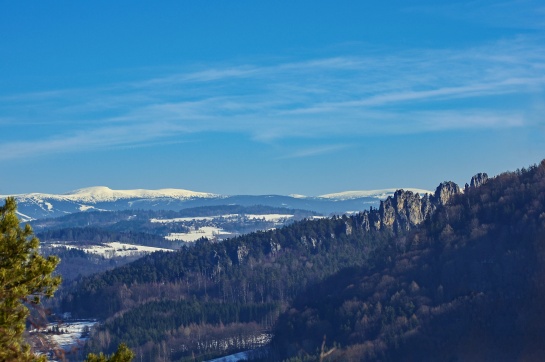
(195, 218)
(266, 217)
(56, 337)
(209, 232)
(263, 339)
(241, 356)
(270, 217)
(72, 336)
(113, 249)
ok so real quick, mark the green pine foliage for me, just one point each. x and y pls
(123, 354)
(25, 277)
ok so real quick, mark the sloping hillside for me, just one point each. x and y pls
(465, 285)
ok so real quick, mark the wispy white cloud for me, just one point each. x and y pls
(94, 139)
(379, 93)
(315, 151)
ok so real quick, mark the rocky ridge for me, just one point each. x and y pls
(406, 209)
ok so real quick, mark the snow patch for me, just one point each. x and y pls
(378, 194)
(72, 333)
(266, 217)
(23, 217)
(241, 356)
(209, 232)
(85, 207)
(270, 217)
(114, 249)
(184, 219)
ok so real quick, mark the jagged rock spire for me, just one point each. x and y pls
(478, 180)
(445, 191)
(406, 209)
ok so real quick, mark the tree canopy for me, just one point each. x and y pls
(25, 277)
(123, 354)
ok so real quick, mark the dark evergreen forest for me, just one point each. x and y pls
(263, 269)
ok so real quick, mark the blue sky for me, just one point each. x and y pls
(267, 97)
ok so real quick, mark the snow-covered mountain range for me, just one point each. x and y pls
(378, 194)
(37, 205)
(105, 194)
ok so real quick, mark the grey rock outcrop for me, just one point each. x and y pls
(428, 206)
(478, 180)
(445, 191)
(275, 247)
(348, 228)
(405, 209)
(242, 253)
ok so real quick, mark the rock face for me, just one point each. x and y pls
(242, 253)
(275, 247)
(445, 191)
(478, 180)
(406, 209)
(402, 211)
(348, 228)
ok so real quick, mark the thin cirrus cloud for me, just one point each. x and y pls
(315, 151)
(379, 93)
(99, 138)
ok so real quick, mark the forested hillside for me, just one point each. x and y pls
(465, 285)
(68, 243)
(259, 270)
(137, 220)
(76, 263)
(92, 235)
(100, 233)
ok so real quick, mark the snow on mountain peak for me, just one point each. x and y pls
(379, 194)
(297, 196)
(103, 193)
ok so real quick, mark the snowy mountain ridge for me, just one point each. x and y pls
(105, 194)
(379, 194)
(100, 198)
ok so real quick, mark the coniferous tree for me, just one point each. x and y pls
(123, 354)
(25, 277)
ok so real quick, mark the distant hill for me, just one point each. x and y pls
(37, 205)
